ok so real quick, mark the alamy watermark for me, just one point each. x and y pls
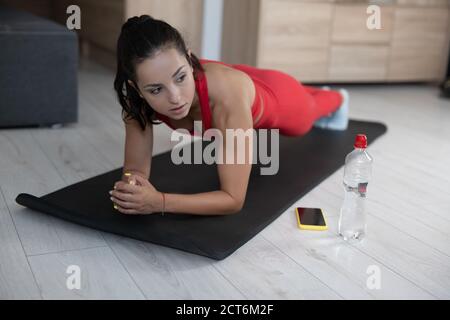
(73, 281)
(374, 20)
(374, 279)
(242, 147)
(74, 20)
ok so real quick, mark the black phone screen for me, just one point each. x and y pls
(311, 216)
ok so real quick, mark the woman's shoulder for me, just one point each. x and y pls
(224, 82)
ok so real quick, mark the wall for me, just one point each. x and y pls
(212, 29)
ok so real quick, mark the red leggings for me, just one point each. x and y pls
(288, 105)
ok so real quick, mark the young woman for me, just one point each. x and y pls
(158, 79)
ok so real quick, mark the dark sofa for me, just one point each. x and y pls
(38, 71)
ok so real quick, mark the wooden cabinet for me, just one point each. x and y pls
(102, 20)
(298, 48)
(329, 41)
(356, 52)
(358, 63)
(419, 44)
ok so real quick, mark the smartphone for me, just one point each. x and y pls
(311, 219)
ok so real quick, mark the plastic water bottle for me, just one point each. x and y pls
(357, 173)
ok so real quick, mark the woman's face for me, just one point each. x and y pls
(166, 82)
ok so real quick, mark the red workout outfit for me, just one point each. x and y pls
(286, 104)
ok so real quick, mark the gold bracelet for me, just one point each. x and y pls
(164, 203)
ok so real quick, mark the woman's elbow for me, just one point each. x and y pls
(236, 207)
(233, 204)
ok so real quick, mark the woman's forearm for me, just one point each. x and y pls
(205, 203)
(133, 171)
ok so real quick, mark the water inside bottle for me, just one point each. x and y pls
(352, 222)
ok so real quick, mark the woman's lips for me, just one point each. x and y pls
(178, 109)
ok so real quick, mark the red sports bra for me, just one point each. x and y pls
(261, 91)
(202, 90)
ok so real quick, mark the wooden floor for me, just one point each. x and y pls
(408, 208)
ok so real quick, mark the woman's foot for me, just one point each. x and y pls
(338, 120)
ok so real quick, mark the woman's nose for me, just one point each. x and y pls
(174, 97)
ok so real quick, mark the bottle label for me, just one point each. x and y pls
(362, 188)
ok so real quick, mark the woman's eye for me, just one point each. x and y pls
(156, 91)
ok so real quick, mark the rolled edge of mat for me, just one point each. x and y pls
(40, 204)
(26, 199)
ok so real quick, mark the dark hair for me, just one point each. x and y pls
(140, 38)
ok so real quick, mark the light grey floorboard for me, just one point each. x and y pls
(424, 266)
(101, 275)
(164, 273)
(16, 278)
(397, 210)
(331, 259)
(24, 168)
(262, 271)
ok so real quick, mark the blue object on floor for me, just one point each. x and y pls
(338, 120)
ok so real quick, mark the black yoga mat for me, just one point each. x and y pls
(304, 163)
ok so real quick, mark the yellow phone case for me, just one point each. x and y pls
(311, 227)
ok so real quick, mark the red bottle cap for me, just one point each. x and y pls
(360, 141)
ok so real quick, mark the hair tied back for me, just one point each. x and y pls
(135, 21)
